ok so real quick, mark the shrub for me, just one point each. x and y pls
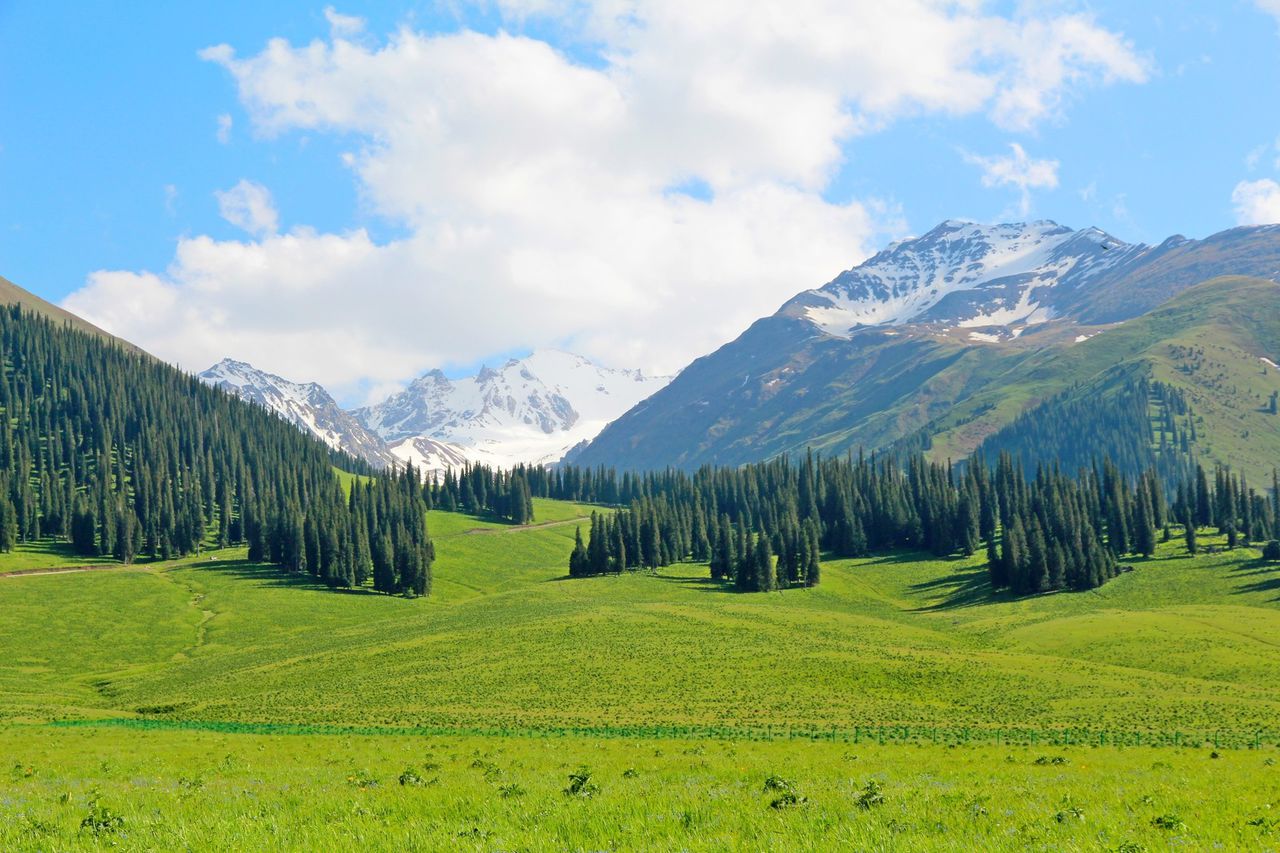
(101, 820)
(777, 783)
(580, 784)
(1271, 551)
(1171, 822)
(788, 797)
(871, 795)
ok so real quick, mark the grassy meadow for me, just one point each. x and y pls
(210, 703)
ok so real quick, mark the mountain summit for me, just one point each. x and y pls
(967, 275)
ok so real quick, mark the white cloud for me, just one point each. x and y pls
(1019, 171)
(248, 206)
(224, 128)
(1271, 7)
(1257, 202)
(536, 191)
(343, 26)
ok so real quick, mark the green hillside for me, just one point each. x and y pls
(1210, 342)
(179, 689)
(782, 389)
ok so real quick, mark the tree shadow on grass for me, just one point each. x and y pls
(268, 575)
(704, 583)
(965, 588)
(1253, 568)
(891, 558)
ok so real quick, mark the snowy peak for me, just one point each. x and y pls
(267, 389)
(306, 405)
(964, 274)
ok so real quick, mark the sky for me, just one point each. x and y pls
(356, 195)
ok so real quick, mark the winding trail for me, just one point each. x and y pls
(518, 528)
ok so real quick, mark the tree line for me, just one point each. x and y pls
(765, 525)
(1041, 530)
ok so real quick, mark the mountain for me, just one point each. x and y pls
(938, 341)
(307, 406)
(530, 410)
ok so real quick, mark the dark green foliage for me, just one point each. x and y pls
(1271, 551)
(481, 490)
(1042, 533)
(578, 561)
(1144, 425)
(125, 456)
(1230, 504)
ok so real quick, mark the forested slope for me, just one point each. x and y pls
(123, 455)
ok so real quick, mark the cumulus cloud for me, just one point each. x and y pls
(248, 206)
(1257, 202)
(1020, 171)
(541, 195)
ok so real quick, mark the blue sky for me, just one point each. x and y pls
(112, 155)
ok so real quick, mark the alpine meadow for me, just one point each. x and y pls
(584, 426)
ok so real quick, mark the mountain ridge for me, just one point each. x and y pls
(792, 380)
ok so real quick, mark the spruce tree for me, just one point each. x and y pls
(578, 559)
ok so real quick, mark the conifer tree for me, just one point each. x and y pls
(578, 564)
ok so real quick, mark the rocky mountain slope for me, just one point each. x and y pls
(308, 406)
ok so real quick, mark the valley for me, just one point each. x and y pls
(235, 683)
(633, 425)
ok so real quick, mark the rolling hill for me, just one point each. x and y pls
(237, 706)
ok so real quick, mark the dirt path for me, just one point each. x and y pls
(490, 531)
(59, 570)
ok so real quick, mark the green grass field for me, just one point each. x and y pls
(216, 704)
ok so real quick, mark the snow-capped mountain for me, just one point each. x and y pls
(530, 410)
(883, 355)
(306, 405)
(966, 275)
